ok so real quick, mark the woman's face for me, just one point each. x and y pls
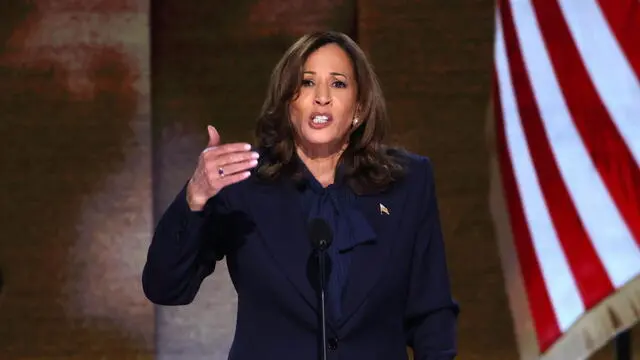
(323, 113)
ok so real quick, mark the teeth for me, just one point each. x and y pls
(320, 119)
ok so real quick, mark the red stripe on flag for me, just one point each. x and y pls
(590, 275)
(544, 319)
(623, 17)
(608, 150)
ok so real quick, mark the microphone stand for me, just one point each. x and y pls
(323, 281)
(321, 238)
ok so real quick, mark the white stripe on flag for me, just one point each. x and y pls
(561, 286)
(602, 220)
(608, 67)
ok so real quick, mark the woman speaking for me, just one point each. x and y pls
(319, 158)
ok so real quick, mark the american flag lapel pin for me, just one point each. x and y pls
(383, 209)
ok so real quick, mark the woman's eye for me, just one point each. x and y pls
(339, 84)
(307, 82)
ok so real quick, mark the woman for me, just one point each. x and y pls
(319, 154)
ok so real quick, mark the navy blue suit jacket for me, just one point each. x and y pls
(398, 292)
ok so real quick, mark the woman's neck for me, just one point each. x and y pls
(321, 164)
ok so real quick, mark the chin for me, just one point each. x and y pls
(319, 139)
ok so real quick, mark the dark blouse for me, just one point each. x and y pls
(335, 204)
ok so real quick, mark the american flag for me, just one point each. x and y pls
(566, 176)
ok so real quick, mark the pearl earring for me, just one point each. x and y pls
(355, 121)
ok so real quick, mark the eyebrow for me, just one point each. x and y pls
(332, 73)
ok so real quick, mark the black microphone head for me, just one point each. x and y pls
(320, 234)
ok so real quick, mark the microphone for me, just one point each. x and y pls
(320, 234)
(321, 238)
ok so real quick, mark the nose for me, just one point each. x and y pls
(323, 101)
(323, 97)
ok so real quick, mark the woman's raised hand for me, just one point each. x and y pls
(219, 165)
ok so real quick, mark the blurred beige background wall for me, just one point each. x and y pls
(76, 179)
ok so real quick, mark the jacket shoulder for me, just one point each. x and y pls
(417, 168)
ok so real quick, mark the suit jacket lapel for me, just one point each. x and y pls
(276, 210)
(368, 260)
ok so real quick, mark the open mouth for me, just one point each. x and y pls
(320, 120)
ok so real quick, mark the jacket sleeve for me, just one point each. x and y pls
(184, 249)
(431, 312)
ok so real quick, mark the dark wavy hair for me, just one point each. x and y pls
(369, 165)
